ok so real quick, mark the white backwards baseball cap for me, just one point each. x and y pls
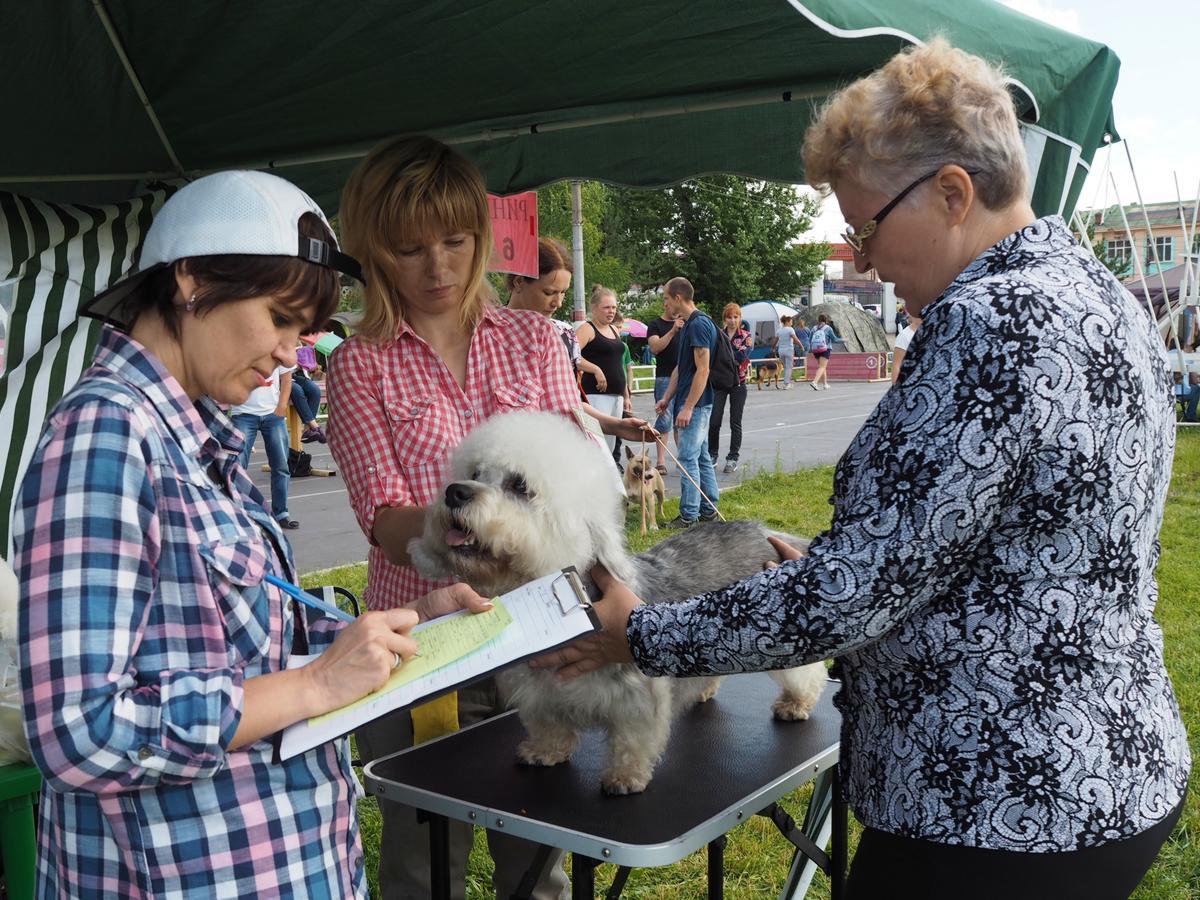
(236, 212)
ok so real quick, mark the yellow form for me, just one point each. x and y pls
(440, 643)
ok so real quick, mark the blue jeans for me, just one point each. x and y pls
(1193, 400)
(306, 397)
(663, 424)
(275, 438)
(694, 459)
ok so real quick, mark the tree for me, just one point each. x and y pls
(554, 220)
(735, 239)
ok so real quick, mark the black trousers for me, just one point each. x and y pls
(888, 866)
(737, 403)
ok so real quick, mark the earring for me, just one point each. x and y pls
(190, 305)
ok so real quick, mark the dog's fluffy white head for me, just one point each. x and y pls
(528, 494)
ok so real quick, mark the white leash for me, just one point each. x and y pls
(660, 439)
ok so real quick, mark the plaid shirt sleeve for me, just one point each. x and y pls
(88, 544)
(372, 476)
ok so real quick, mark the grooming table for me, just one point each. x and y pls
(727, 760)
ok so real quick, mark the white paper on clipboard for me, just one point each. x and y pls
(539, 616)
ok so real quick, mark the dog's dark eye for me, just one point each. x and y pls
(517, 486)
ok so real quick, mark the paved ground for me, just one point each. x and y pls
(793, 429)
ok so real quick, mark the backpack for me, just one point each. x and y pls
(819, 339)
(723, 373)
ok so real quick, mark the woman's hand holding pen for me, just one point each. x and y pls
(365, 652)
(361, 658)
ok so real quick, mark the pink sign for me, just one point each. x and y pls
(844, 366)
(514, 233)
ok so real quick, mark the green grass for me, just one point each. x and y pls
(757, 856)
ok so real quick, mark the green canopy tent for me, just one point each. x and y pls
(116, 99)
(113, 92)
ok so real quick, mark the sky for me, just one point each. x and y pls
(1156, 106)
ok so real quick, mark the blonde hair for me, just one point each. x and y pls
(407, 190)
(731, 308)
(929, 106)
(599, 292)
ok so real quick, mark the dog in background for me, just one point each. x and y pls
(643, 483)
(770, 371)
(511, 513)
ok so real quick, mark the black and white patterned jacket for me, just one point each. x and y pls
(987, 584)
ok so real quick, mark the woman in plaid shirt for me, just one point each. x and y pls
(153, 652)
(433, 357)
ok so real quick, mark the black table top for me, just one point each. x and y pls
(727, 759)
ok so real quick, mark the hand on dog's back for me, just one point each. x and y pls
(707, 557)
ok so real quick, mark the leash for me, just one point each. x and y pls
(642, 486)
(684, 472)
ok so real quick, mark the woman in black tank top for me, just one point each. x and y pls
(600, 343)
(607, 350)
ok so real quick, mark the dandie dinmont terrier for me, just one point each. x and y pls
(528, 495)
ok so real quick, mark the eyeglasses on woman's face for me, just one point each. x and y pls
(857, 237)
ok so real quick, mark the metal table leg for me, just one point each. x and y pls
(439, 857)
(583, 877)
(837, 878)
(716, 868)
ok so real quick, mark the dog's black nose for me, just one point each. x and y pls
(458, 495)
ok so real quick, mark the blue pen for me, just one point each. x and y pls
(308, 599)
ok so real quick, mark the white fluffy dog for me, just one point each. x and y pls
(528, 495)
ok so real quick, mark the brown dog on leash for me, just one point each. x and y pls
(770, 371)
(643, 480)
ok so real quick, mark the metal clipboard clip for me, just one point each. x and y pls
(569, 580)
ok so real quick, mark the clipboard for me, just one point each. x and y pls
(533, 619)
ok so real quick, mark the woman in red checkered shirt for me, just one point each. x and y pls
(433, 357)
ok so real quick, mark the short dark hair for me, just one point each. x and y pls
(680, 287)
(552, 256)
(229, 277)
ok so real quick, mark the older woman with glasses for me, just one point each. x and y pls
(987, 583)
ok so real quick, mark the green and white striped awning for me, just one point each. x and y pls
(56, 255)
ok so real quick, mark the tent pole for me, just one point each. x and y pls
(1189, 239)
(1174, 332)
(111, 31)
(1194, 292)
(577, 247)
(1185, 282)
(1137, 262)
(765, 98)
(361, 148)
